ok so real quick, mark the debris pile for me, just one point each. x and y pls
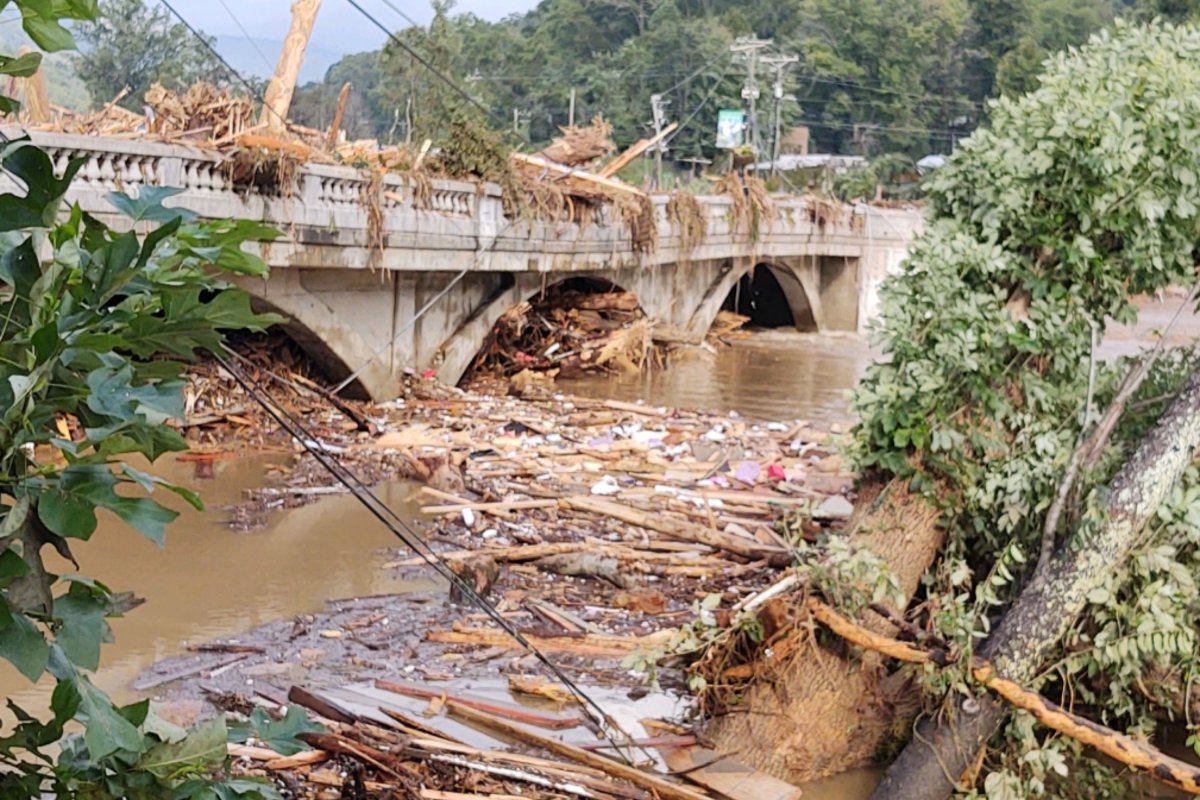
(218, 412)
(579, 146)
(203, 115)
(726, 326)
(605, 532)
(564, 331)
(366, 741)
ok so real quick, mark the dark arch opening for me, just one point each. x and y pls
(293, 347)
(564, 327)
(772, 298)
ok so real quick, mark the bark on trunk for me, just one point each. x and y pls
(278, 98)
(929, 767)
(823, 711)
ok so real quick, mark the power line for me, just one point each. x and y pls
(296, 428)
(253, 42)
(421, 59)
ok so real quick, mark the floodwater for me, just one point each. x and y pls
(212, 581)
(775, 374)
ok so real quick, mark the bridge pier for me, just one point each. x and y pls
(352, 271)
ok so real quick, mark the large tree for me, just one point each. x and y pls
(1044, 227)
(134, 45)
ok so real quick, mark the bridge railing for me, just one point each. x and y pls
(338, 206)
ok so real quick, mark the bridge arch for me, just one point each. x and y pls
(323, 335)
(772, 293)
(475, 336)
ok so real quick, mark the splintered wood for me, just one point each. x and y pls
(564, 331)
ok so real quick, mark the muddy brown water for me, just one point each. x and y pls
(210, 581)
(773, 374)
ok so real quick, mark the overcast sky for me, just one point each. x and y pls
(340, 28)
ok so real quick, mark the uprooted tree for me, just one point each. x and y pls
(1025, 506)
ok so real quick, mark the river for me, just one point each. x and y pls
(212, 581)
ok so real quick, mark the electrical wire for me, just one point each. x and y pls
(421, 59)
(297, 429)
(253, 42)
(232, 71)
(703, 102)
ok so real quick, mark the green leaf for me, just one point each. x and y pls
(160, 728)
(36, 208)
(279, 735)
(137, 713)
(148, 482)
(22, 66)
(95, 484)
(81, 625)
(23, 645)
(48, 34)
(114, 395)
(69, 515)
(105, 731)
(11, 566)
(148, 205)
(202, 751)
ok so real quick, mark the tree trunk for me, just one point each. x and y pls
(278, 97)
(1020, 644)
(823, 711)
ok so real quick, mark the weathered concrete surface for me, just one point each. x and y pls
(353, 293)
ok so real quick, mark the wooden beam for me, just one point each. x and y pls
(335, 127)
(660, 787)
(1125, 749)
(37, 98)
(582, 179)
(625, 159)
(278, 99)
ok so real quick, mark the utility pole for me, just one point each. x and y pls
(278, 98)
(519, 117)
(571, 112)
(658, 104)
(748, 49)
(780, 64)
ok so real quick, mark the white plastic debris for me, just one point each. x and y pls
(606, 486)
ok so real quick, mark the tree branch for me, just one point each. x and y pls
(1131, 752)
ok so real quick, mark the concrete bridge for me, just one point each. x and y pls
(380, 277)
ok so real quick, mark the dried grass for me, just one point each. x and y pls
(752, 210)
(581, 145)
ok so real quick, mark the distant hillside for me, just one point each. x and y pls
(64, 86)
(240, 52)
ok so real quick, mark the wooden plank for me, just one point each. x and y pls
(727, 776)
(681, 529)
(625, 159)
(542, 719)
(514, 505)
(578, 176)
(661, 787)
(589, 645)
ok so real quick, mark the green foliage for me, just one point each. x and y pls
(1044, 225)
(95, 325)
(130, 43)
(279, 735)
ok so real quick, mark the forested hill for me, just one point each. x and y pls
(873, 76)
